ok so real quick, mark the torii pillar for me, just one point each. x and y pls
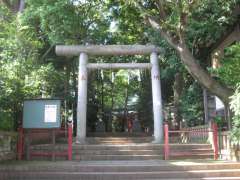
(156, 99)
(82, 98)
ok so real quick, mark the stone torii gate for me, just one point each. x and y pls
(84, 51)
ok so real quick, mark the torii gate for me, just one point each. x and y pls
(84, 51)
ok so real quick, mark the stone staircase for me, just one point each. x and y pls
(128, 148)
(123, 158)
(191, 151)
(120, 170)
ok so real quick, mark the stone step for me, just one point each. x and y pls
(119, 140)
(205, 178)
(117, 157)
(121, 175)
(190, 152)
(118, 152)
(140, 152)
(114, 166)
(140, 146)
(191, 156)
(108, 170)
(118, 134)
(146, 146)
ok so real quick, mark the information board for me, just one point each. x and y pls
(41, 113)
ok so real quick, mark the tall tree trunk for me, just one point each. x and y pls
(66, 92)
(125, 109)
(112, 105)
(21, 6)
(102, 105)
(15, 6)
(74, 105)
(177, 92)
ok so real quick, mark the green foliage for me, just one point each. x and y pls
(219, 121)
(22, 75)
(44, 81)
(6, 120)
(229, 71)
(208, 21)
(191, 105)
(235, 106)
(67, 22)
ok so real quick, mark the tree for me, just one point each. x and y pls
(174, 21)
(22, 75)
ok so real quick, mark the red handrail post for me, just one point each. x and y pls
(70, 141)
(166, 142)
(20, 144)
(215, 140)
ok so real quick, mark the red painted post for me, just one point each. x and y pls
(70, 141)
(166, 142)
(20, 144)
(215, 140)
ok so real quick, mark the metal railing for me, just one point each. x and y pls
(199, 135)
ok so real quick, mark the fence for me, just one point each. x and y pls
(202, 134)
(29, 137)
(198, 134)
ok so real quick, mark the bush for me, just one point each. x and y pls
(6, 121)
(235, 107)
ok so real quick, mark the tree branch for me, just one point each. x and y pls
(164, 34)
(160, 6)
(7, 3)
(15, 7)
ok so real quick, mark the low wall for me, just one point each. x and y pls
(8, 143)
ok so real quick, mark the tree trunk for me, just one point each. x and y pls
(74, 106)
(21, 6)
(112, 104)
(66, 93)
(177, 92)
(125, 109)
(102, 105)
(15, 7)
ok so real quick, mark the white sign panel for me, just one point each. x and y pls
(50, 113)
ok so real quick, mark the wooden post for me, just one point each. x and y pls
(20, 144)
(215, 140)
(53, 145)
(69, 141)
(166, 142)
(28, 145)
